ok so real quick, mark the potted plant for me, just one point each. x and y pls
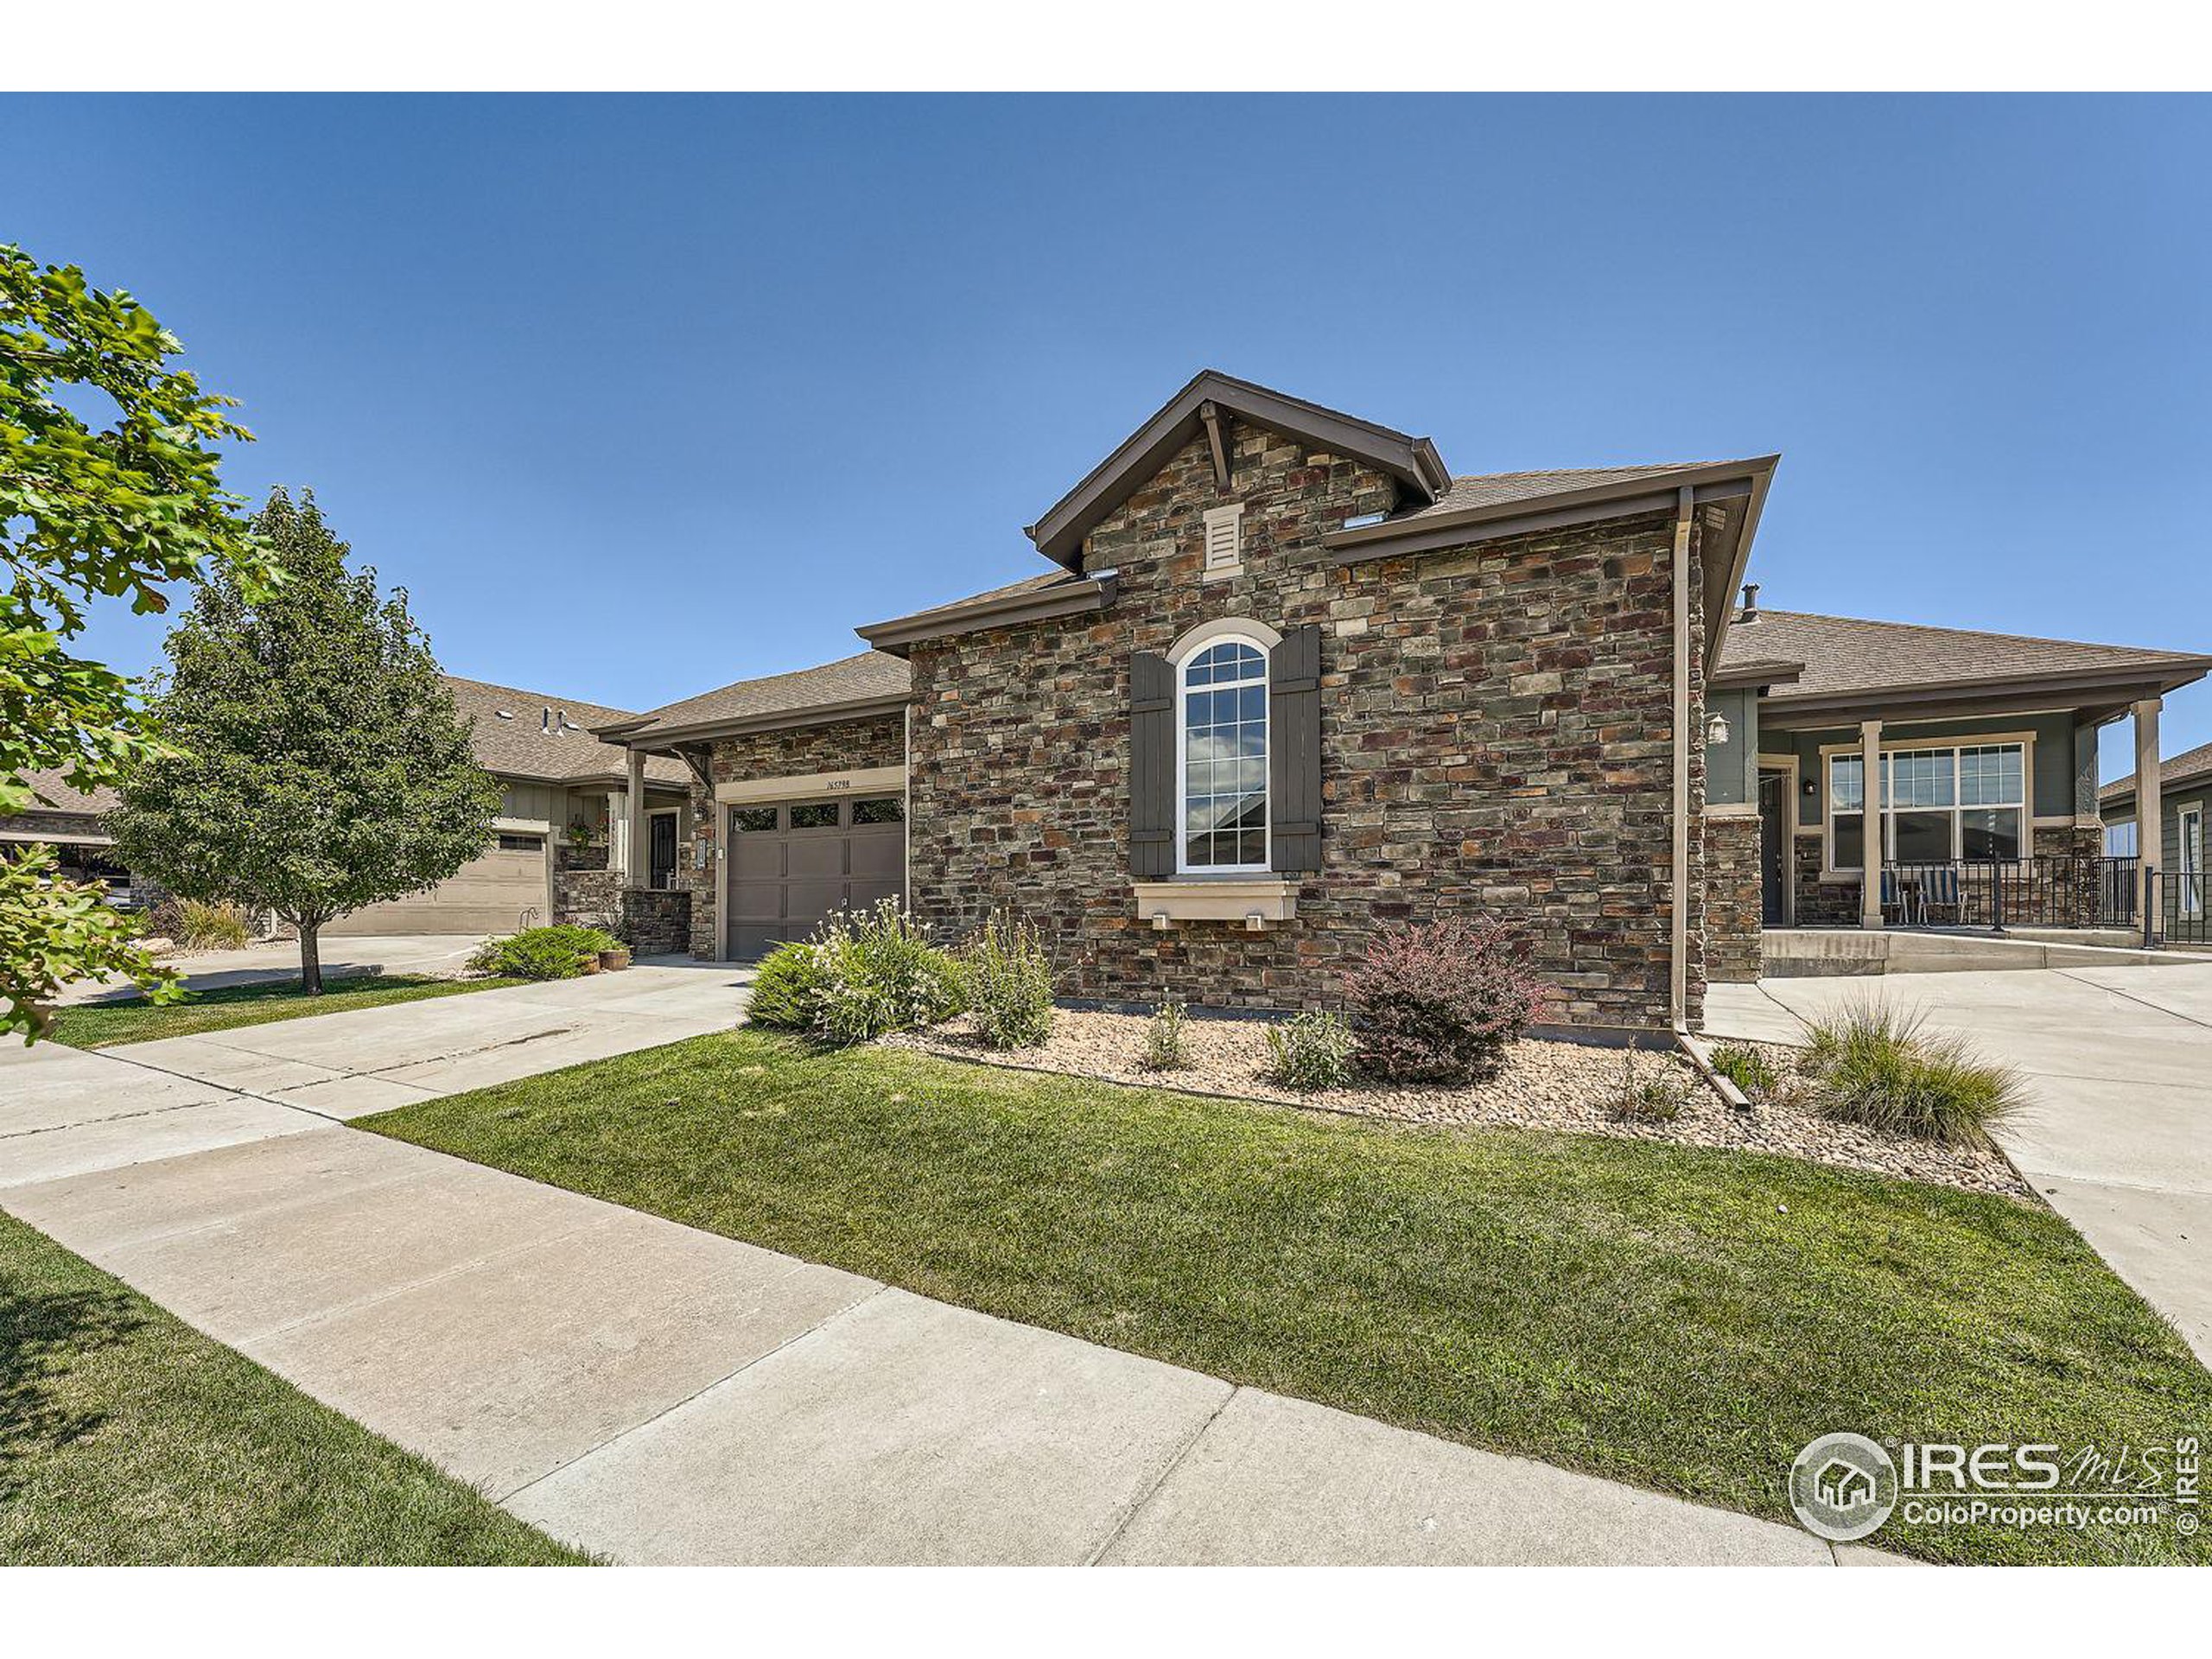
(615, 960)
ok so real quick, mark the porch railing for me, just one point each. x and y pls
(2054, 890)
(2186, 896)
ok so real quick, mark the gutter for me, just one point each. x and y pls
(1679, 918)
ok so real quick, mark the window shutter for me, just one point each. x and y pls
(1151, 765)
(1294, 749)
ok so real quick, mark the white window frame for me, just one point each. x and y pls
(2123, 830)
(1886, 816)
(2189, 861)
(1263, 639)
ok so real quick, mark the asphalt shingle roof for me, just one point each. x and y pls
(2185, 768)
(862, 678)
(56, 796)
(534, 734)
(1844, 655)
(1503, 489)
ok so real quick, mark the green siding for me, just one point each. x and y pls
(2058, 761)
(2171, 803)
(1731, 768)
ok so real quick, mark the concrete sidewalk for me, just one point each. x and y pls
(2117, 1131)
(660, 1394)
(439, 955)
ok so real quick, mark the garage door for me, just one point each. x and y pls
(792, 865)
(491, 895)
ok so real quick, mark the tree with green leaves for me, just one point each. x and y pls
(123, 508)
(320, 763)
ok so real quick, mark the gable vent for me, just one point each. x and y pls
(1225, 539)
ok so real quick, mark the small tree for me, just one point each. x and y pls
(122, 510)
(321, 763)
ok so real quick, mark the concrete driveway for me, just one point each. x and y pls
(440, 955)
(2118, 1135)
(63, 1111)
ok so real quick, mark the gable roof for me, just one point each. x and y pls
(2185, 768)
(56, 794)
(1850, 662)
(1059, 530)
(545, 739)
(872, 682)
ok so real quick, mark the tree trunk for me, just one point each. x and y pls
(310, 961)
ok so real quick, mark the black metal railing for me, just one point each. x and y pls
(2055, 890)
(2184, 897)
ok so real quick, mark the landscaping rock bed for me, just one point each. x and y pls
(1569, 1087)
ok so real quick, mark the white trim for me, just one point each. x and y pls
(522, 826)
(57, 837)
(1254, 902)
(861, 780)
(1787, 765)
(2189, 857)
(1191, 641)
(1231, 630)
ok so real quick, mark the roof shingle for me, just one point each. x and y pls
(2185, 768)
(1848, 654)
(867, 677)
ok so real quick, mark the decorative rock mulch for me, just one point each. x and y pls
(1570, 1087)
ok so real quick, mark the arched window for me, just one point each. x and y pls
(1221, 709)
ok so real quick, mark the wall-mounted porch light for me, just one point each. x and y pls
(1716, 729)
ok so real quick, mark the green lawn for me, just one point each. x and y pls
(103, 1024)
(128, 1437)
(1687, 1321)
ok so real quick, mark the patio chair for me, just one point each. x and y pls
(1893, 897)
(1939, 891)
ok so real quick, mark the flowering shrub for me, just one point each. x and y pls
(880, 973)
(1166, 1037)
(787, 989)
(1009, 985)
(1439, 1003)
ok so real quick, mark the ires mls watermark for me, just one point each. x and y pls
(1844, 1486)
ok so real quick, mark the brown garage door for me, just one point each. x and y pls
(492, 894)
(792, 865)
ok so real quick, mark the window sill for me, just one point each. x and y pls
(1254, 900)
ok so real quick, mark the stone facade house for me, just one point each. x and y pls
(1289, 680)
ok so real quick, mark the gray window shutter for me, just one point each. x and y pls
(1294, 749)
(1152, 765)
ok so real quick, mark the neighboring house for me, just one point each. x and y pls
(1291, 680)
(2185, 804)
(1986, 749)
(560, 850)
(69, 821)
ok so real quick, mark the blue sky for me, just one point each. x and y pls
(637, 397)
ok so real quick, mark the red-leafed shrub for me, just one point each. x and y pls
(1439, 1003)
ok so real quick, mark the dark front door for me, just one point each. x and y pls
(791, 865)
(664, 849)
(1774, 868)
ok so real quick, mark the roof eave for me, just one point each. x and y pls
(898, 635)
(2078, 688)
(657, 738)
(1059, 532)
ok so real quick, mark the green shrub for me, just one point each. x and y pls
(787, 989)
(1009, 985)
(881, 974)
(1312, 1051)
(553, 952)
(192, 926)
(1657, 1099)
(1871, 1064)
(1167, 1039)
(1748, 1069)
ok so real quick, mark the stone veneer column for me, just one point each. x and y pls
(2150, 813)
(1870, 856)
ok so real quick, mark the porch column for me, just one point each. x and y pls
(1870, 859)
(2149, 821)
(618, 831)
(639, 866)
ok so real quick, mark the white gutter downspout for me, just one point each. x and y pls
(1678, 966)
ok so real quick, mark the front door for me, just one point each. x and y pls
(662, 867)
(1774, 872)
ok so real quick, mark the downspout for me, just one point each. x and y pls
(1679, 921)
